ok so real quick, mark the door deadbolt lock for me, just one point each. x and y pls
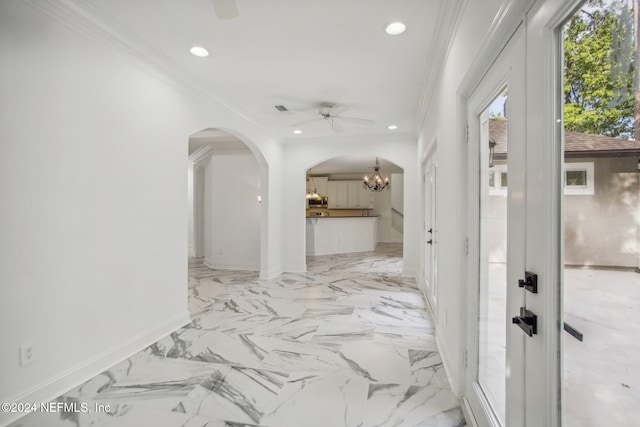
(527, 321)
(530, 282)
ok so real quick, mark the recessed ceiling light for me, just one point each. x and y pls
(392, 127)
(297, 131)
(395, 28)
(199, 51)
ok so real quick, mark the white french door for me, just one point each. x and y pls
(497, 222)
(518, 219)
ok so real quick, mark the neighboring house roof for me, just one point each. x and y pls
(576, 144)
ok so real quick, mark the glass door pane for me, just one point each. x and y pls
(601, 284)
(492, 307)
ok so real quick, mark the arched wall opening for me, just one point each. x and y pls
(226, 181)
(334, 189)
(303, 154)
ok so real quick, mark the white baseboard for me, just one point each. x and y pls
(468, 414)
(239, 267)
(270, 274)
(430, 309)
(411, 272)
(77, 375)
(299, 268)
(448, 366)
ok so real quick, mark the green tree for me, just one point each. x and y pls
(497, 116)
(599, 70)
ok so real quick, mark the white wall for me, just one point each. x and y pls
(232, 211)
(93, 213)
(383, 204)
(397, 192)
(444, 122)
(306, 153)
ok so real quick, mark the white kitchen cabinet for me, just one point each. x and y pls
(359, 197)
(348, 195)
(338, 195)
(352, 194)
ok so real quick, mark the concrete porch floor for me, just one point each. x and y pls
(601, 376)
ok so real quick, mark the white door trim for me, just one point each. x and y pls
(506, 71)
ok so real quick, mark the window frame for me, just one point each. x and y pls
(497, 189)
(579, 190)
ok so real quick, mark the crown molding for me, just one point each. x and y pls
(357, 139)
(87, 21)
(449, 17)
(508, 19)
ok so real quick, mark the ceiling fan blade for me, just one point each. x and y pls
(337, 110)
(307, 121)
(355, 120)
(225, 9)
(335, 126)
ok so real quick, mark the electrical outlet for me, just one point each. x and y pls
(27, 354)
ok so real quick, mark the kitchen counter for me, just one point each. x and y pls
(343, 234)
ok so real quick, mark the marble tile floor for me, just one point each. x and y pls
(349, 343)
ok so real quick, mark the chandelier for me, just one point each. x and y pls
(314, 195)
(375, 182)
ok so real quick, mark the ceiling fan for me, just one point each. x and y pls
(225, 9)
(331, 113)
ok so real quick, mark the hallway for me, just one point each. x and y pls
(350, 343)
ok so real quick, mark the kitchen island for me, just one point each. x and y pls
(328, 235)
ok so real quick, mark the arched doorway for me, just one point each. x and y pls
(224, 201)
(343, 216)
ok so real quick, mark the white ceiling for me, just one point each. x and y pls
(360, 164)
(297, 53)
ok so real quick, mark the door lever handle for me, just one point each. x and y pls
(530, 282)
(527, 321)
(573, 331)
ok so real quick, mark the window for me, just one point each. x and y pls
(503, 179)
(498, 180)
(575, 179)
(578, 178)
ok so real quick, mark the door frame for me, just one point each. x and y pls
(506, 71)
(542, 20)
(544, 204)
(430, 200)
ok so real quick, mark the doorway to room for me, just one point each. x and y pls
(345, 216)
(224, 202)
(430, 275)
